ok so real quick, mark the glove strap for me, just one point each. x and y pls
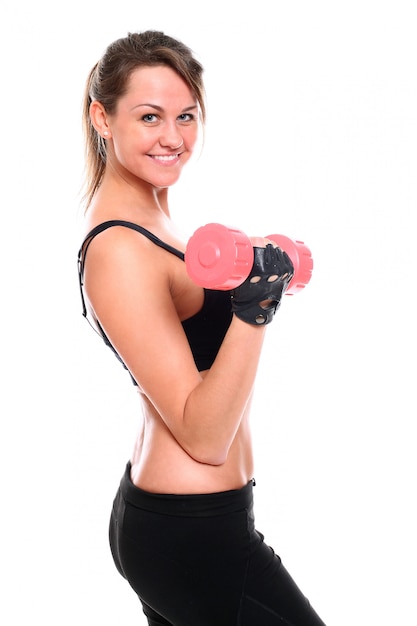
(255, 314)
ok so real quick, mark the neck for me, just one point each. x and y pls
(126, 193)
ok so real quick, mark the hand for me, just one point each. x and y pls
(258, 298)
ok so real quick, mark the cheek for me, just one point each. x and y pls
(191, 142)
(191, 135)
(125, 148)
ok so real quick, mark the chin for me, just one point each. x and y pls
(164, 181)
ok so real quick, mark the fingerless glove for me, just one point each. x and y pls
(257, 299)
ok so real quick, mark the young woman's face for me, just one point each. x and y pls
(155, 127)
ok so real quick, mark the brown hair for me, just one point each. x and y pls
(107, 82)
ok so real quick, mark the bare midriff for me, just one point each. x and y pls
(161, 465)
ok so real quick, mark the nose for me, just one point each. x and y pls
(176, 147)
(171, 138)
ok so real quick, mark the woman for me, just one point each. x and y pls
(182, 527)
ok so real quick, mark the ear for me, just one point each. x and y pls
(98, 118)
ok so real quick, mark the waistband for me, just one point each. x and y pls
(190, 505)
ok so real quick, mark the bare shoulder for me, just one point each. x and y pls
(124, 253)
(127, 280)
(128, 283)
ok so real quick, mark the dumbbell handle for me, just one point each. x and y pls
(220, 257)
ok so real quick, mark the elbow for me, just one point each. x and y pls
(208, 456)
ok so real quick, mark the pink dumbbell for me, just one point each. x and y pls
(220, 257)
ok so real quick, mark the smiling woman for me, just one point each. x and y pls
(153, 132)
(182, 528)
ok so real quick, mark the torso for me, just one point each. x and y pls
(159, 463)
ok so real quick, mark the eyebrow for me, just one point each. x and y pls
(158, 108)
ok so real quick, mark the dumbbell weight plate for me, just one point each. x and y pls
(301, 258)
(218, 257)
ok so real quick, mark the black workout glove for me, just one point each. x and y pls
(270, 276)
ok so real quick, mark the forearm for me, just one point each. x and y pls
(214, 409)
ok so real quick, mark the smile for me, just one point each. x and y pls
(165, 157)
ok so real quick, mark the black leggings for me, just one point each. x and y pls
(197, 560)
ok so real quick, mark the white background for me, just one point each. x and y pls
(312, 132)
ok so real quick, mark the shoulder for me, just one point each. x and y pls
(118, 253)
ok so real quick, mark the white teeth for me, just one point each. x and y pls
(168, 157)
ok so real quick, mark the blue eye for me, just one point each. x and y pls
(186, 117)
(149, 117)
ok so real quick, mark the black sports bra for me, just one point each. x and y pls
(205, 330)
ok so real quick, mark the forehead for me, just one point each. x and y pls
(155, 83)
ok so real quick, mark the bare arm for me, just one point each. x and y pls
(129, 284)
(215, 407)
